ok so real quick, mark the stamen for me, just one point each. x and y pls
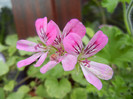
(55, 57)
(85, 63)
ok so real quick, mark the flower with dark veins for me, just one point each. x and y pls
(47, 33)
(91, 70)
(74, 26)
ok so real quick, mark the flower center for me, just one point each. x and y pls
(85, 63)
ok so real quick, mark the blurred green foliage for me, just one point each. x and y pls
(6, 23)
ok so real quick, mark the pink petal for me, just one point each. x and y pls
(51, 32)
(41, 59)
(98, 42)
(74, 26)
(91, 78)
(29, 60)
(69, 62)
(58, 38)
(48, 66)
(27, 46)
(57, 28)
(41, 27)
(73, 44)
(102, 71)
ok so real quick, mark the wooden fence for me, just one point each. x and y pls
(27, 11)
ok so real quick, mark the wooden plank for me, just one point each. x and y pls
(66, 10)
(27, 11)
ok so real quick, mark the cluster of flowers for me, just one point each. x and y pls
(68, 49)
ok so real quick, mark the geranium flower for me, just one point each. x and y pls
(47, 33)
(91, 70)
(73, 26)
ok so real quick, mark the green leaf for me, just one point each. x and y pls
(24, 89)
(79, 78)
(2, 94)
(3, 68)
(12, 60)
(89, 32)
(12, 50)
(20, 94)
(2, 47)
(79, 93)
(56, 72)
(104, 91)
(16, 95)
(128, 1)
(118, 82)
(35, 72)
(33, 39)
(66, 73)
(85, 40)
(23, 53)
(119, 86)
(9, 86)
(35, 97)
(99, 59)
(110, 5)
(11, 40)
(117, 49)
(41, 91)
(57, 89)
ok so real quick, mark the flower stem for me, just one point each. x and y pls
(125, 18)
(16, 75)
(26, 78)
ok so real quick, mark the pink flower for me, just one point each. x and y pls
(47, 33)
(91, 70)
(74, 26)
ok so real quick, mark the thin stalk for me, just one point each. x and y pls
(26, 78)
(15, 78)
(125, 19)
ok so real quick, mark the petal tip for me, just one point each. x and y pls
(19, 65)
(99, 88)
(36, 65)
(42, 70)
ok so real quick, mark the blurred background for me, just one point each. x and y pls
(17, 21)
(19, 15)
